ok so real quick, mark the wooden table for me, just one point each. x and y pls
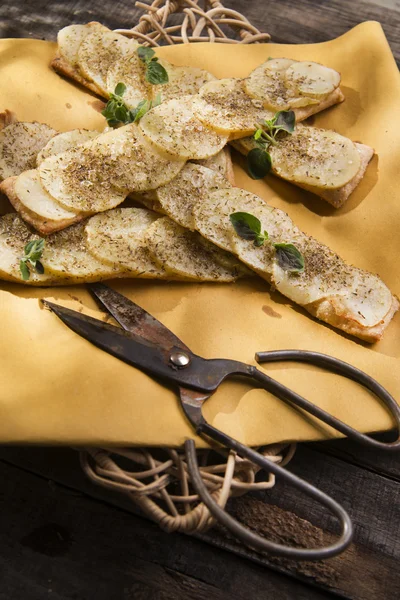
(63, 538)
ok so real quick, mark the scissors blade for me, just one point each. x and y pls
(122, 344)
(135, 319)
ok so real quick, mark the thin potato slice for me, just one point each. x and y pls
(135, 163)
(316, 157)
(283, 84)
(14, 235)
(116, 238)
(19, 146)
(180, 253)
(70, 38)
(99, 51)
(267, 83)
(80, 180)
(191, 186)
(224, 106)
(273, 221)
(148, 200)
(182, 81)
(130, 71)
(312, 79)
(66, 255)
(37, 206)
(221, 163)
(211, 218)
(65, 141)
(174, 128)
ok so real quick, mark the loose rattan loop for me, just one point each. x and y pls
(157, 481)
(206, 21)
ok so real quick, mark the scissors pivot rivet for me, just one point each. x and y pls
(179, 359)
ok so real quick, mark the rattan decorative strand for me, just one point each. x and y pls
(207, 21)
(157, 481)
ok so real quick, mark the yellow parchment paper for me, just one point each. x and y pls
(57, 388)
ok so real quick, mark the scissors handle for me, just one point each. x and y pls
(336, 366)
(245, 535)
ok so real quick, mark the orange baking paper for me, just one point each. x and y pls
(56, 388)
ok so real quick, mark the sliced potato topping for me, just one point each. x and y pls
(135, 163)
(192, 185)
(211, 218)
(19, 146)
(277, 224)
(316, 157)
(99, 51)
(14, 235)
(283, 83)
(34, 197)
(182, 81)
(354, 296)
(80, 180)
(180, 253)
(361, 295)
(66, 255)
(220, 162)
(130, 71)
(98, 175)
(116, 238)
(70, 38)
(312, 79)
(65, 141)
(224, 106)
(174, 128)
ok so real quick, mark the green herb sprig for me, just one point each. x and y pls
(248, 227)
(117, 113)
(31, 260)
(259, 161)
(155, 72)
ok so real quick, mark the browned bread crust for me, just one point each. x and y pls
(63, 67)
(43, 226)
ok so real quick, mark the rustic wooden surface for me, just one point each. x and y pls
(63, 538)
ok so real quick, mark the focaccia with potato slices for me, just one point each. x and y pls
(320, 161)
(342, 295)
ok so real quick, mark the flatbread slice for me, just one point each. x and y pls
(344, 296)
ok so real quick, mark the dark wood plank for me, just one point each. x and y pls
(312, 21)
(384, 463)
(57, 544)
(303, 21)
(366, 571)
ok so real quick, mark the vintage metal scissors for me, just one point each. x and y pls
(148, 345)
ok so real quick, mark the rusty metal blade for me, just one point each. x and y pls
(133, 318)
(116, 341)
